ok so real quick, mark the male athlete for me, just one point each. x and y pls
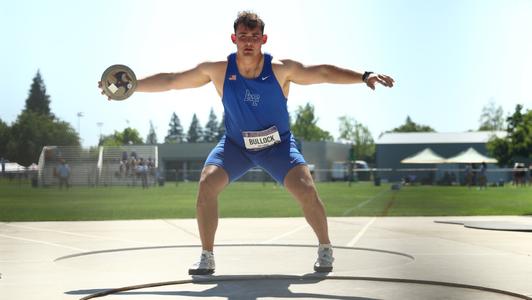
(254, 90)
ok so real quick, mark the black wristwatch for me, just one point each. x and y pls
(366, 75)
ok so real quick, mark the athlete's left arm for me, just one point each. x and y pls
(301, 74)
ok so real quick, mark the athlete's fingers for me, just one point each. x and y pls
(385, 80)
(389, 80)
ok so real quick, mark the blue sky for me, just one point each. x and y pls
(449, 58)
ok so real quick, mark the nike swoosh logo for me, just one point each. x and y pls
(264, 78)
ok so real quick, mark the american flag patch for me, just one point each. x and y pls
(232, 77)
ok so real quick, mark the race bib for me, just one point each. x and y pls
(257, 140)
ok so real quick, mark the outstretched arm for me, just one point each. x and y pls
(196, 77)
(301, 74)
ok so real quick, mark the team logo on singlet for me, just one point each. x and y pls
(253, 98)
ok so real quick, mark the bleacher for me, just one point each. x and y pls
(116, 168)
(82, 163)
(95, 166)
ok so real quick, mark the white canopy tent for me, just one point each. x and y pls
(426, 156)
(470, 156)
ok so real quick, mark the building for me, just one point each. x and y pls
(391, 148)
(184, 161)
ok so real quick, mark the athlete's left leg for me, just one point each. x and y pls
(298, 181)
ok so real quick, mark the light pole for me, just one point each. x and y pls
(80, 114)
(100, 124)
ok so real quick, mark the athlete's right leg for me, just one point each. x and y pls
(212, 181)
(225, 163)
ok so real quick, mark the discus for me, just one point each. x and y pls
(118, 82)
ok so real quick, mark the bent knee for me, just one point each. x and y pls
(211, 183)
(307, 194)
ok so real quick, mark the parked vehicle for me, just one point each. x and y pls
(340, 170)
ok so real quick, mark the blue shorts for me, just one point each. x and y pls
(277, 160)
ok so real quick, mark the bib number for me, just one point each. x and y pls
(258, 140)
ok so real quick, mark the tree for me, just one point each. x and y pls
(4, 138)
(305, 126)
(37, 127)
(32, 131)
(128, 136)
(211, 128)
(195, 132)
(411, 126)
(363, 145)
(38, 101)
(175, 133)
(491, 118)
(151, 139)
(221, 128)
(517, 143)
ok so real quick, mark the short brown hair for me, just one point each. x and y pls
(250, 20)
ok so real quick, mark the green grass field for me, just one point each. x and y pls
(20, 202)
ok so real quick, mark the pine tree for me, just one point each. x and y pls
(151, 139)
(195, 132)
(211, 128)
(175, 133)
(221, 128)
(38, 101)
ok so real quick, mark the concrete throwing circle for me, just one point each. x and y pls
(313, 285)
(492, 225)
(231, 258)
(280, 287)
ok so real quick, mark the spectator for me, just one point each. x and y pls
(3, 162)
(63, 171)
(142, 170)
(469, 175)
(482, 180)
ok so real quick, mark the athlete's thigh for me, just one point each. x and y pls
(280, 159)
(230, 158)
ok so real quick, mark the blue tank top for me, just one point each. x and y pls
(253, 104)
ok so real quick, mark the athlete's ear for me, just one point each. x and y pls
(233, 38)
(264, 38)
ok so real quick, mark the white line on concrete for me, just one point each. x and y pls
(78, 234)
(180, 228)
(361, 233)
(43, 242)
(284, 234)
(349, 210)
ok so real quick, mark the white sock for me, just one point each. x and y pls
(207, 252)
(321, 246)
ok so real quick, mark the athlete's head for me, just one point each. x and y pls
(250, 20)
(249, 33)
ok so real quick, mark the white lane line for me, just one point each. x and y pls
(181, 228)
(43, 242)
(285, 234)
(349, 210)
(361, 233)
(78, 234)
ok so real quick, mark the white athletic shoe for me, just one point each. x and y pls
(205, 266)
(325, 260)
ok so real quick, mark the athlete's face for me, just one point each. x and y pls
(248, 41)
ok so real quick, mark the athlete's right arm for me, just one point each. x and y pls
(193, 78)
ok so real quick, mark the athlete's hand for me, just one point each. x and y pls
(375, 78)
(101, 88)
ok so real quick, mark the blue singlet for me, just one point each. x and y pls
(254, 105)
